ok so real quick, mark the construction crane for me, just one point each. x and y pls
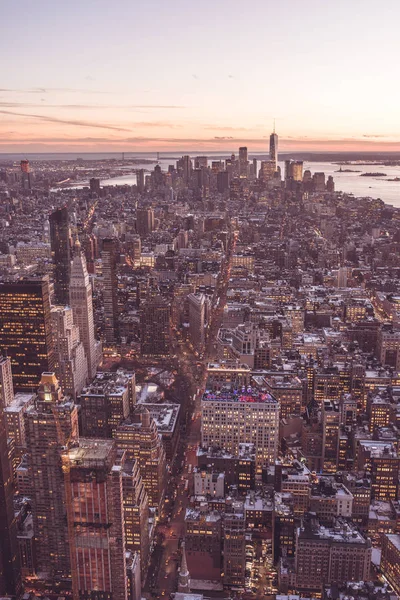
(66, 468)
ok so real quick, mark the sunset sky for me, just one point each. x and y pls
(179, 74)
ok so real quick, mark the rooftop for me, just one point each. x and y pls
(246, 395)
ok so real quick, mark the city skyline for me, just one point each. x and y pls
(153, 77)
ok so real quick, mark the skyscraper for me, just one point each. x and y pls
(61, 253)
(144, 221)
(51, 423)
(243, 162)
(10, 577)
(96, 520)
(273, 148)
(109, 259)
(25, 330)
(82, 305)
(71, 364)
(155, 325)
(140, 438)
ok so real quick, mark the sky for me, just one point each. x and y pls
(158, 75)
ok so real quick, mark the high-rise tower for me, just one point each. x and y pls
(25, 330)
(273, 147)
(109, 259)
(61, 253)
(82, 305)
(10, 577)
(50, 425)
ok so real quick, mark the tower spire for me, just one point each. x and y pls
(184, 576)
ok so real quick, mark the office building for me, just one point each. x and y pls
(25, 330)
(109, 258)
(155, 328)
(140, 438)
(273, 148)
(61, 253)
(388, 347)
(140, 180)
(203, 543)
(288, 390)
(81, 302)
(136, 510)
(51, 424)
(390, 560)
(10, 575)
(105, 403)
(243, 162)
(234, 546)
(15, 420)
(71, 366)
(381, 461)
(330, 439)
(96, 520)
(232, 418)
(144, 221)
(327, 555)
(198, 305)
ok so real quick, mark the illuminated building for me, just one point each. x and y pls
(61, 253)
(238, 470)
(289, 393)
(326, 555)
(227, 374)
(25, 330)
(109, 257)
(81, 301)
(390, 560)
(234, 546)
(330, 440)
(70, 357)
(96, 519)
(267, 170)
(10, 576)
(51, 423)
(245, 416)
(388, 348)
(142, 441)
(378, 410)
(105, 403)
(155, 326)
(382, 462)
(15, 418)
(136, 511)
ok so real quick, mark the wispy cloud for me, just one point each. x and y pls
(77, 123)
(87, 106)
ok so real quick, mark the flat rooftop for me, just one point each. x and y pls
(245, 395)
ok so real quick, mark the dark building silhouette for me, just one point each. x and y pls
(155, 328)
(144, 221)
(94, 184)
(61, 253)
(25, 330)
(10, 577)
